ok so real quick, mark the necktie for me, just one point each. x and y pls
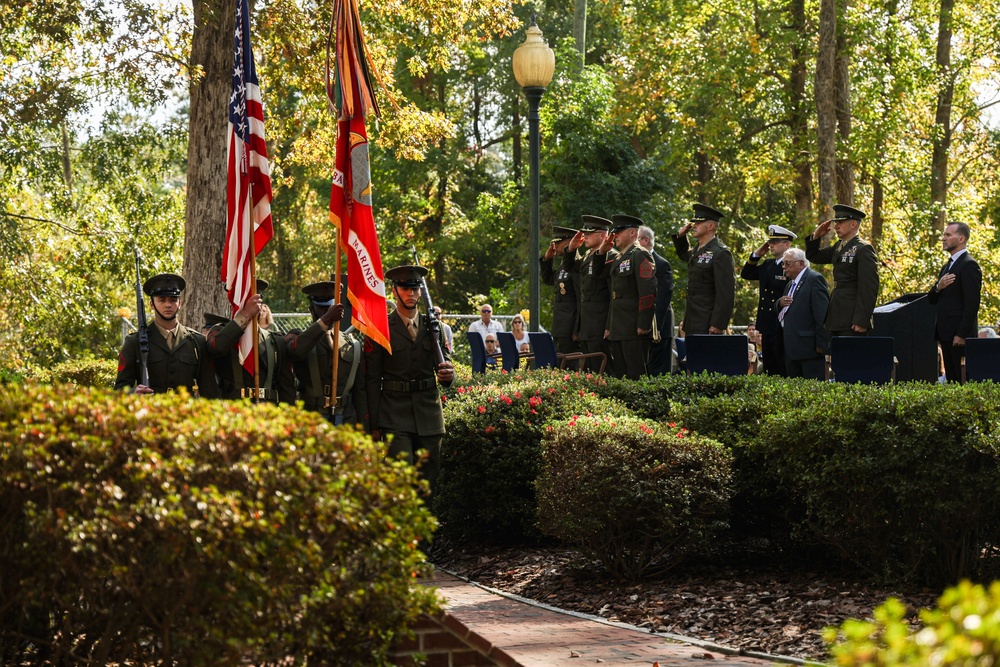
(170, 339)
(411, 326)
(791, 291)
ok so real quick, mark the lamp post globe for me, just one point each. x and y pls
(534, 65)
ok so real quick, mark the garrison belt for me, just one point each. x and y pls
(269, 395)
(412, 385)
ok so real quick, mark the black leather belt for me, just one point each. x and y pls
(412, 385)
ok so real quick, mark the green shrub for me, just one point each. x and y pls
(658, 397)
(86, 372)
(634, 495)
(491, 454)
(168, 530)
(902, 480)
(964, 629)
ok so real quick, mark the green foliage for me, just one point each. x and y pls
(637, 496)
(81, 372)
(166, 529)
(491, 454)
(964, 629)
(899, 480)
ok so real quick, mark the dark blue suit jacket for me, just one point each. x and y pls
(773, 282)
(664, 296)
(804, 330)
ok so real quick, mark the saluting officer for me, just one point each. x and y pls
(711, 291)
(632, 275)
(403, 398)
(770, 275)
(855, 272)
(311, 352)
(178, 355)
(274, 372)
(565, 302)
(595, 295)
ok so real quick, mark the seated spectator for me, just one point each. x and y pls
(492, 350)
(988, 332)
(446, 333)
(486, 324)
(520, 335)
(265, 319)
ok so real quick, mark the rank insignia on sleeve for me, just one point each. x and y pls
(646, 270)
(647, 302)
(369, 346)
(121, 362)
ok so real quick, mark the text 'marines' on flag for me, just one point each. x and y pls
(351, 195)
(249, 192)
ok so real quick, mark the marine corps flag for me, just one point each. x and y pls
(351, 98)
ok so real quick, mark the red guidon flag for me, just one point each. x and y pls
(351, 98)
(249, 192)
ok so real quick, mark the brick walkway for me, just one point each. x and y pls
(518, 634)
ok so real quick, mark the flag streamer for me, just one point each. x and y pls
(351, 97)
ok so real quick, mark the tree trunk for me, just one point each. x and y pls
(704, 174)
(205, 226)
(878, 198)
(580, 31)
(845, 163)
(826, 107)
(942, 120)
(799, 116)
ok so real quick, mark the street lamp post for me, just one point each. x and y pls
(534, 65)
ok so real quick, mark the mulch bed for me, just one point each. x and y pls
(779, 609)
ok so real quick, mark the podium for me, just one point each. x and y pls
(910, 319)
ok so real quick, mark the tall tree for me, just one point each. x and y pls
(826, 107)
(942, 117)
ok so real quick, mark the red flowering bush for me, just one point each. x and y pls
(490, 456)
(165, 530)
(636, 495)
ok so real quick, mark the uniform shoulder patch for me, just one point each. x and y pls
(369, 346)
(647, 269)
(121, 362)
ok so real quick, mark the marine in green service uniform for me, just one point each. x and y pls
(178, 356)
(311, 352)
(403, 397)
(277, 383)
(590, 254)
(855, 272)
(565, 302)
(711, 290)
(632, 277)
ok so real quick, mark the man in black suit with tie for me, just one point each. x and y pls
(660, 357)
(801, 314)
(957, 295)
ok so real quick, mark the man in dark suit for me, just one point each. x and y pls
(632, 276)
(801, 314)
(770, 275)
(855, 272)
(660, 356)
(711, 290)
(403, 398)
(595, 295)
(178, 356)
(565, 301)
(957, 294)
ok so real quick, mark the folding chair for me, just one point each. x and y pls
(510, 356)
(478, 348)
(546, 356)
(862, 359)
(982, 359)
(725, 355)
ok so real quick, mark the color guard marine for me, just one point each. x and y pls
(177, 357)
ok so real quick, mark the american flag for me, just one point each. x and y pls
(249, 176)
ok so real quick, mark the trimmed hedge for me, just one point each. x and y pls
(491, 455)
(163, 529)
(636, 496)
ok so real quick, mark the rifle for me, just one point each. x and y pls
(140, 313)
(432, 320)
